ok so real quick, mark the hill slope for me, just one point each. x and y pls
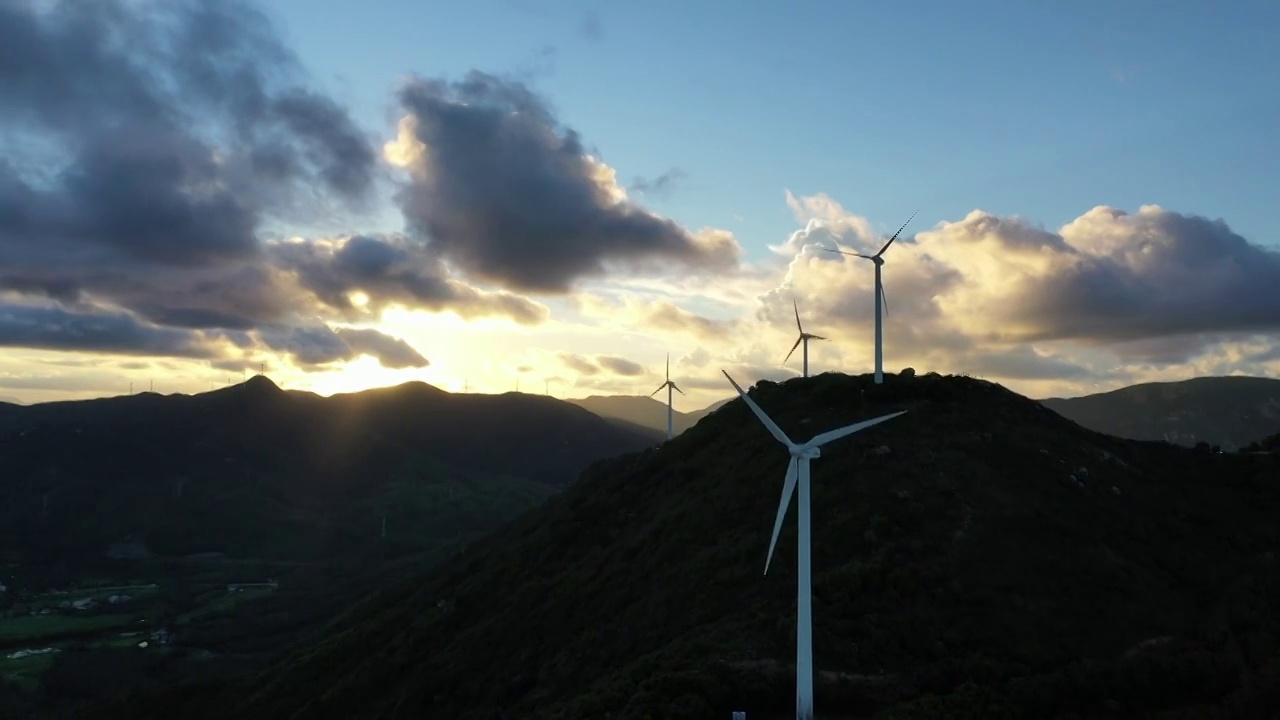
(979, 556)
(1229, 412)
(254, 471)
(643, 411)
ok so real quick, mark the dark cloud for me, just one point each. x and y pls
(508, 195)
(143, 147)
(321, 345)
(53, 328)
(393, 269)
(392, 352)
(660, 186)
(179, 125)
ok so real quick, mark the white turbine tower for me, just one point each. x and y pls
(798, 476)
(669, 386)
(804, 338)
(878, 259)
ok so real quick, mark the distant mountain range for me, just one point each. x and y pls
(645, 412)
(255, 471)
(1229, 412)
(980, 556)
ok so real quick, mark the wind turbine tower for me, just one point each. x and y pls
(802, 340)
(878, 259)
(669, 386)
(798, 478)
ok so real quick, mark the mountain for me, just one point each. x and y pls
(254, 471)
(980, 556)
(1267, 445)
(697, 415)
(1229, 412)
(643, 411)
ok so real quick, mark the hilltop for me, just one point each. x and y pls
(255, 471)
(1229, 412)
(644, 412)
(980, 556)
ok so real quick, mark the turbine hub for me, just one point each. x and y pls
(804, 451)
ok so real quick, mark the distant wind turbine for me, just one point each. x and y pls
(669, 386)
(803, 339)
(798, 476)
(878, 259)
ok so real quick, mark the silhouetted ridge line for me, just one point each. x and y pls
(979, 554)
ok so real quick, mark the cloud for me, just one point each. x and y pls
(392, 352)
(166, 149)
(660, 186)
(56, 329)
(392, 269)
(1002, 297)
(136, 178)
(619, 366)
(507, 195)
(657, 315)
(319, 344)
(597, 364)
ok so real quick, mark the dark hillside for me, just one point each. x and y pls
(1229, 412)
(254, 471)
(980, 556)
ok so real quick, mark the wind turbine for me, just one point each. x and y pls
(878, 259)
(669, 386)
(798, 476)
(804, 338)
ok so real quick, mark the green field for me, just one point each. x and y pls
(37, 626)
(25, 672)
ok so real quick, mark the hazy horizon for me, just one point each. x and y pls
(567, 192)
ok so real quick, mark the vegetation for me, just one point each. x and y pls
(1227, 412)
(252, 471)
(980, 556)
(168, 500)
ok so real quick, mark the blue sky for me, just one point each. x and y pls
(1031, 108)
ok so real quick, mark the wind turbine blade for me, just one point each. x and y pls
(827, 437)
(816, 337)
(793, 349)
(676, 388)
(797, 309)
(884, 299)
(788, 489)
(668, 366)
(895, 235)
(773, 428)
(655, 392)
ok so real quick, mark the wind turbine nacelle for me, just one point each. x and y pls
(804, 451)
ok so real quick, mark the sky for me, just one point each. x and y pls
(560, 193)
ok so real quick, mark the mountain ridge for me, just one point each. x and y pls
(293, 451)
(980, 551)
(1225, 411)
